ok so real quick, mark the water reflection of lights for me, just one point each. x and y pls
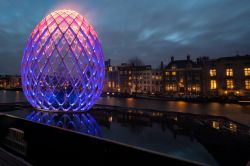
(216, 124)
(181, 104)
(233, 127)
(82, 122)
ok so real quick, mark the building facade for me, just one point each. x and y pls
(227, 76)
(182, 77)
(131, 79)
(10, 82)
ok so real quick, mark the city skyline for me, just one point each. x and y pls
(129, 29)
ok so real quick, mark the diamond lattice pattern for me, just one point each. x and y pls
(63, 64)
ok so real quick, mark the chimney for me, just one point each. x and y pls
(161, 65)
(188, 57)
(172, 58)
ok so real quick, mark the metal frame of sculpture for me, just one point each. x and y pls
(63, 67)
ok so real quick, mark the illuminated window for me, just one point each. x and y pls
(109, 84)
(247, 71)
(167, 73)
(110, 68)
(230, 84)
(247, 84)
(171, 87)
(129, 77)
(229, 72)
(212, 72)
(174, 73)
(213, 84)
(173, 67)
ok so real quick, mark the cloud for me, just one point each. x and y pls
(150, 30)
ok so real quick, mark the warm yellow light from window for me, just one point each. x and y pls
(109, 84)
(129, 78)
(230, 84)
(229, 72)
(212, 72)
(110, 68)
(173, 73)
(173, 67)
(247, 71)
(167, 73)
(213, 84)
(247, 84)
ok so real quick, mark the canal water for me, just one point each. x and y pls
(205, 139)
(237, 112)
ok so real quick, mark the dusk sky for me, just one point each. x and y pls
(151, 30)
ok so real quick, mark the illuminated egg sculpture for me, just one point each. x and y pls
(62, 66)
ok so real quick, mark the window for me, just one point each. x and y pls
(167, 73)
(247, 84)
(212, 72)
(247, 71)
(109, 84)
(110, 68)
(173, 67)
(213, 84)
(174, 73)
(229, 72)
(230, 84)
(171, 87)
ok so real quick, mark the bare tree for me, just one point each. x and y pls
(136, 62)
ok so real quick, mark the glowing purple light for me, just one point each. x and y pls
(63, 64)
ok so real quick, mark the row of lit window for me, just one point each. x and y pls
(229, 83)
(173, 73)
(173, 87)
(111, 84)
(229, 72)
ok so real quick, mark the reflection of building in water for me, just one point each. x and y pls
(81, 122)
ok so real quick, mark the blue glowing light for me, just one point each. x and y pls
(63, 64)
(82, 122)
